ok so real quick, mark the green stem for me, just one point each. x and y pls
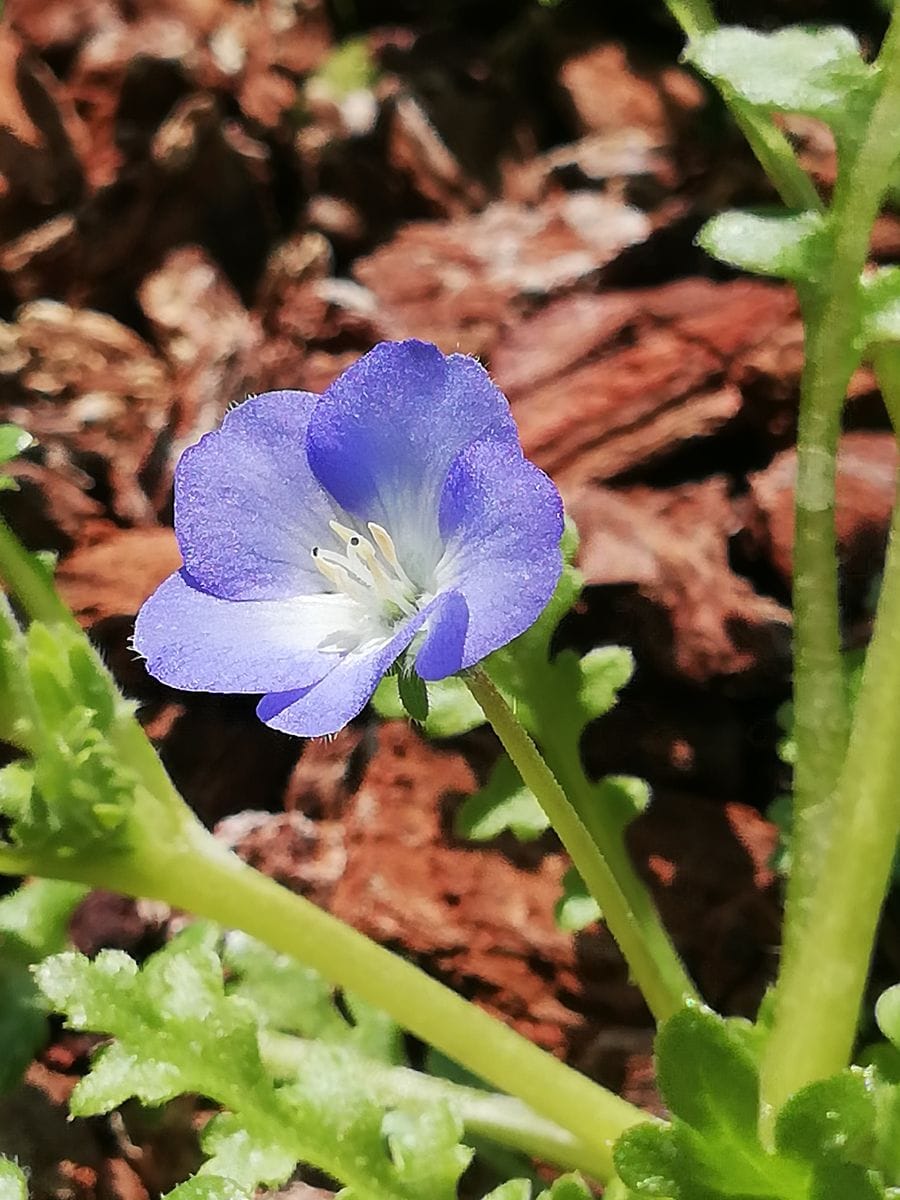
(502, 1119)
(191, 870)
(606, 829)
(821, 828)
(30, 582)
(821, 985)
(768, 143)
(662, 981)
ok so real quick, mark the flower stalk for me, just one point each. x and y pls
(651, 959)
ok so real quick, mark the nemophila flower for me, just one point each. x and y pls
(324, 538)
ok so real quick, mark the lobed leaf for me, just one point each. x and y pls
(176, 1029)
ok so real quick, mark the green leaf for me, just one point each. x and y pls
(576, 908)
(789, 246)
(707, 1074)
(835, 1116)
(413, 695)
(513, 1189)
(503, 803)
(793, 70)
(210, 1187)
(292, 998)
(567, 1187)
(33, 923)
(881, 306)
(248, 1160)
(647, 1161)
(844, 1181)
(13, 1185)
(887, 1014)
(176, 1030)
(77, 795)
(451, 709)
(13, 441)
(409, 1130)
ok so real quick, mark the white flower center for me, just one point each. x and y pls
(369, 572)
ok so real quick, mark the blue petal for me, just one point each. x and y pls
(442, 651)
(502, 519)
(201, 643)
(328, 705)
(383, 436)
(248, 510)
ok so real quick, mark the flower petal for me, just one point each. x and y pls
(384, 434)
(248, 510)
(328, 705)
(201, 643)
(442, 651)
(502, 520)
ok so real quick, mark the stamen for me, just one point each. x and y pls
(361, 573)
(342, 531)
(338, 575)
(385, 544)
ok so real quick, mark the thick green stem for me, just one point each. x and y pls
(196, 873)
(808, 1038)
(661, 978)
(821, 985)
(502, 1119)
(768, 143)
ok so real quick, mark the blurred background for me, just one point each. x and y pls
(205, 198)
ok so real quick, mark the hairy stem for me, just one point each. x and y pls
(799, 1049)
(821, 986)
(660, 976)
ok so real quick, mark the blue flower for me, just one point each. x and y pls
(326, 537)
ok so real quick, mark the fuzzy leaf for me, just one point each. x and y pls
(176, 1030)
(794, 70)
(13, 1185)
(576, 908)
(790, 246)
(13, 441)
(290, 997)
(234, 1154)
(696, 1051)
(503, 803)
(835, 1117)
(210, 1187)
(881, 305)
